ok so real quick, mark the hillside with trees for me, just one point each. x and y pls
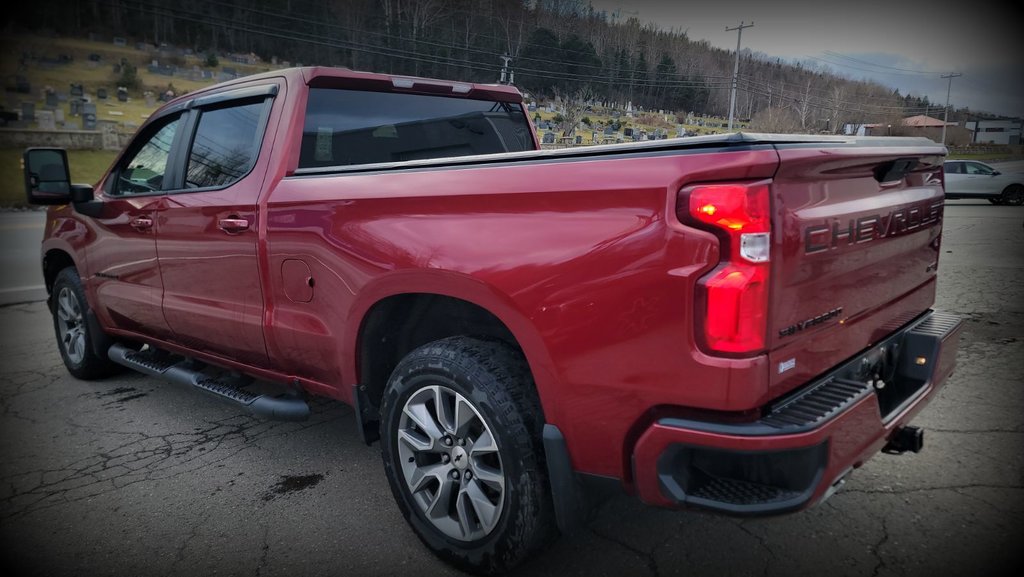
(559, 48)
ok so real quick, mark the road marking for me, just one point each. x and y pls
(22, 288)
(27, 226)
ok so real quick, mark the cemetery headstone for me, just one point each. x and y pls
(94, 57)
(549, 138)
(58, 116)
(118, 41)
(77, 90)
(579, 139)
(150, 99)
(46, 120)
(76, 106)
(51, 100)
(101, 93)
(28, 111)
(627, 132)
(89, 116)
(122, 94)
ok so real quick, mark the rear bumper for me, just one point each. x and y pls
(805, 443)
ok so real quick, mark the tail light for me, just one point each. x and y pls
(735, 293)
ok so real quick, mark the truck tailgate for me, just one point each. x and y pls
(856, 233)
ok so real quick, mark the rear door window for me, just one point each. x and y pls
(226, 144)
(348, 127)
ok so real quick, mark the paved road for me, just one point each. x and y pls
(133, 477)
(21, 278)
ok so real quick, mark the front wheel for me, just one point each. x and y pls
(1013, 196)
(461, 443)
(70, 322)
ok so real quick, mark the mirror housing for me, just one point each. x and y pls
(47, 179)
(996, 173)
(81, 193)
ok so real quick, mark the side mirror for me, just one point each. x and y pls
(48, 180)
(996, 173)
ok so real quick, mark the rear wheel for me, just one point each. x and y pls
(70, 322)
(1013, 195)
(463, 455)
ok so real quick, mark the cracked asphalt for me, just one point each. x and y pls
(131, 476)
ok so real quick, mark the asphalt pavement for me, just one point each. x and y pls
(131, 476)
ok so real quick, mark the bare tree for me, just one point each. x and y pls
(803, 103)
(836, 102)
(575, 106)
(779, 120)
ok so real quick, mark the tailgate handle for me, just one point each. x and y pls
(892, 172)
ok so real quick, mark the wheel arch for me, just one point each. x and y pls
(1004, 196)
(55, 260)
(408, 309)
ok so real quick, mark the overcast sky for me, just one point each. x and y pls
(981, 39)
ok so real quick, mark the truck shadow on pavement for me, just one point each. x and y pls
(134, 476)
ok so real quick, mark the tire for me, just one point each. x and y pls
(1013, 195)
(74, 340)
(502, 511)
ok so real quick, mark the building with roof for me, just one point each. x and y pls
(995, 131)
(919, 125)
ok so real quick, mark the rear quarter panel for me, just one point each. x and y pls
(585, 261)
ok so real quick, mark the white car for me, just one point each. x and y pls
(973, 179)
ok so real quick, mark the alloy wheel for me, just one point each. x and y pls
(70, 326)
(450, 463)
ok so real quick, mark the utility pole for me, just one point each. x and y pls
(507, 76)
(949, 88)
(736, 69)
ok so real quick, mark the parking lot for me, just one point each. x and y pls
(131, 476)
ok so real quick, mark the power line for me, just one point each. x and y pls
(851, 58)
(708, 82)
(403, 54)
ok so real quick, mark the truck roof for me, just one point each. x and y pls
(333, 77)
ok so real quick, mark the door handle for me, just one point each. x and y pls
(141, 223)
(233, 224)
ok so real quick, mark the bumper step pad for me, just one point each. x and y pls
(816, 405)
(739, 492)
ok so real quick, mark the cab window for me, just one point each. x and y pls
(975, 168)
(226, 144)
(144, 169)
(351, 127)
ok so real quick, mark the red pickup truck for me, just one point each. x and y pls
(731, 323)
